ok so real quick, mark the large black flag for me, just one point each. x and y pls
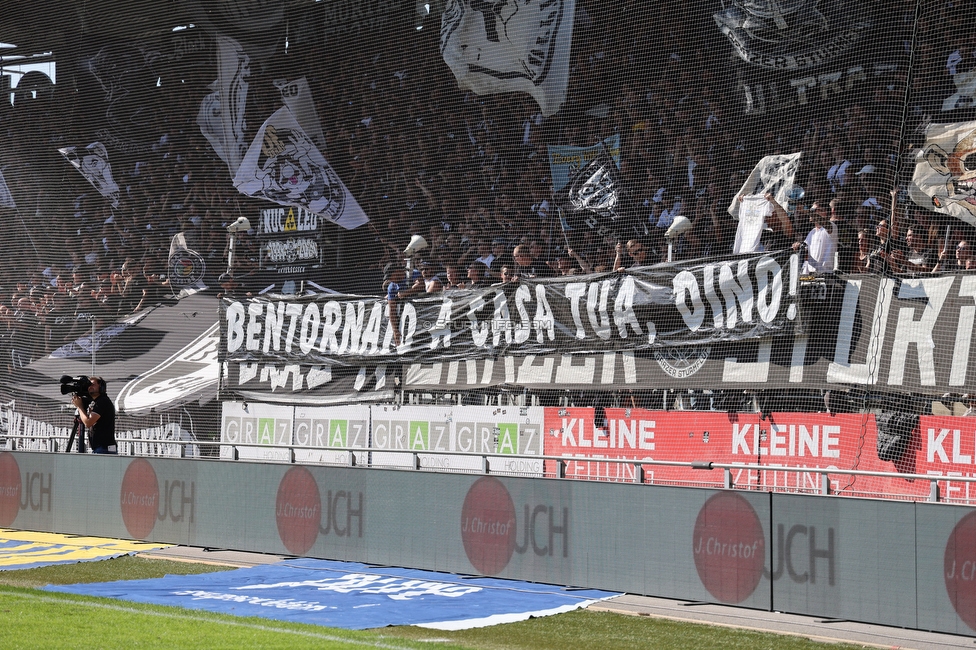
(595, 199)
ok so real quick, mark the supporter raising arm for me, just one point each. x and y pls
(584, 265)
(395, 275)
(780, 221)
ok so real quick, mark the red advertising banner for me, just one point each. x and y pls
(941, 445)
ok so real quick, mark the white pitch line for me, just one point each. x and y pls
(202, 619)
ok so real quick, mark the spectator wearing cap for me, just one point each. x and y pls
(870, 189)
(837, 173)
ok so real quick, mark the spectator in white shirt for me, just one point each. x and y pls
(819, 243)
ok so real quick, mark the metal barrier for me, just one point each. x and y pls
(50, 444)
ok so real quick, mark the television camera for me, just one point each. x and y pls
(77, 386)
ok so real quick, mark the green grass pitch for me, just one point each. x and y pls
(32, 619)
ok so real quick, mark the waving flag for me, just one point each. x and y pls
(594, 198)
(510, 46)
(944, 180)
(775, 174)
(297, 96)
(283, 165)
(209, 120)
(233, 74)
(92, 162)
(6, 198)
(565, 160)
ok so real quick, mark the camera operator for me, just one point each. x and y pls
(99, 418)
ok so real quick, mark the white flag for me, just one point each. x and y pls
(774, 174)
(945, 171)
(283, 165)
(298, 98)
(92, 162)
(233, 73)
(186, 267)
(6, 198)
(211, 126)
(510, 46)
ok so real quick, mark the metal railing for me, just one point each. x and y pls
(413, 460)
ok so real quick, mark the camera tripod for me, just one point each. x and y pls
(77, 430)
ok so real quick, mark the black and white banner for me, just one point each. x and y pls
(764, 91)
(510, 46)
(290, 240)
(792, 34)
(645, 308)
(314, 340)
(349, 19)
(944, 180)
(92, 162)
(190, 374)
(284, 165)
(233, 82)
(118, 87)
(709, 327)
(566, 160)
(302, 251)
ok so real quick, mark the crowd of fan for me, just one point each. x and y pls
(480, 191)
(79, 262)
(471, 174)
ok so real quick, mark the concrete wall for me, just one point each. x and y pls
(895, 563)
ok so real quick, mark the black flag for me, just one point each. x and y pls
(595, 199)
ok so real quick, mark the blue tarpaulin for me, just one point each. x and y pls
(350, 595)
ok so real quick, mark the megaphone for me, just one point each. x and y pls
(678, 226)
(417, 244)
(241, 225)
